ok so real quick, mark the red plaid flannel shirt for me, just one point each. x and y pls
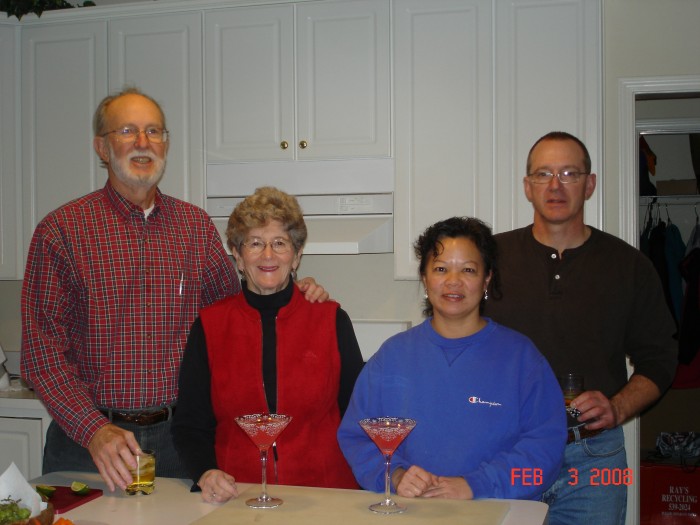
(108, 300)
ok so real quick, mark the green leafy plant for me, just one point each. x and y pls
(19, 8)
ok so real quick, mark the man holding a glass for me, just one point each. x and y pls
(587, 300)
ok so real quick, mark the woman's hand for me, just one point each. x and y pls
(217, 486)
(413, 482)
(417, 482)
(450, 488)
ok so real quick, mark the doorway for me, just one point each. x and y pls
(629, 92)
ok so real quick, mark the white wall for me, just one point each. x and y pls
(641, 38)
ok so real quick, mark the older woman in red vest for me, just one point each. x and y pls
(266, 350)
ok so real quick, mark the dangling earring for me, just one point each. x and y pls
(486, 295)
(294, 274)
(425, 294)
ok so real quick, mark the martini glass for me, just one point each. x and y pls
(387, 433)
(263, 429)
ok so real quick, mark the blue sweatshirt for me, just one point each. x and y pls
(487, 407)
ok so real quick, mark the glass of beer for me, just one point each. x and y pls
(571, 386)
(144, 475)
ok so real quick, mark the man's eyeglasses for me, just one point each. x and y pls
(129, 134)
(257, 246)
(565, 177)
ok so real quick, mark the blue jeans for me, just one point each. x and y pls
(62, 453)
(592, 484)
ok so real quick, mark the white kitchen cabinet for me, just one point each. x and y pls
(64, 76)
(10, 179)
(548, 77)
(298, 81)
(23, 425)
(476, 82)
(162, 55)
(20, 442)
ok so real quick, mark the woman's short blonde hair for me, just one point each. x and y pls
(257, 210)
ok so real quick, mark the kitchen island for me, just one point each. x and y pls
(174, 504)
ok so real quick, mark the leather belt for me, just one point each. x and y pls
(583, 433)
(141, 418)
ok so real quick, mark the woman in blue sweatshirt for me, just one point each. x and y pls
(490, 414)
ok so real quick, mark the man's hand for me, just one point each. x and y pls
(217, 486)
(313, 292)
(595, 408)
(638, 393)
(114, 451)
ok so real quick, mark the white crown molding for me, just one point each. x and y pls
(136, 7)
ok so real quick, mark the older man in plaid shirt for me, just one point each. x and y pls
(113, 282)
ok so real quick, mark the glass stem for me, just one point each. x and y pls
(263, 461)
(387, 480)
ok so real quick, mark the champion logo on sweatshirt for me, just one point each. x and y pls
(476, 400)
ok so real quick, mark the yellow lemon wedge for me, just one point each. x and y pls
(79, 488)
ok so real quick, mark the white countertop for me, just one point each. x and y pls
(23, 404)
(174, 504)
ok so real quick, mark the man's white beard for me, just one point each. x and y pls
(123, 172)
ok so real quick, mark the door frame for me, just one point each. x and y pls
(628, 206)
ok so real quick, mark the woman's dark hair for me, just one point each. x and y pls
(430, 244)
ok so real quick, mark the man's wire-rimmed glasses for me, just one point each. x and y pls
(565, 177)
(129, 134)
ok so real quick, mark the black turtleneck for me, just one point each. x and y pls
(268, 306)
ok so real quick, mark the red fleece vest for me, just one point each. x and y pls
(308, 372)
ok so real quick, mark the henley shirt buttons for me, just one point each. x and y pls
(553, 256)
(557, 277)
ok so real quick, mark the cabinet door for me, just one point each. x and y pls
(249, 83)
(64, 77)
(443, 117)
(10, 178)
(467, 113)
(548, 77)
(20, 442)
(343, 79)
(161, 55)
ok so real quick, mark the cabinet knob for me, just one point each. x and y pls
(303, 144)
(284, 144)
